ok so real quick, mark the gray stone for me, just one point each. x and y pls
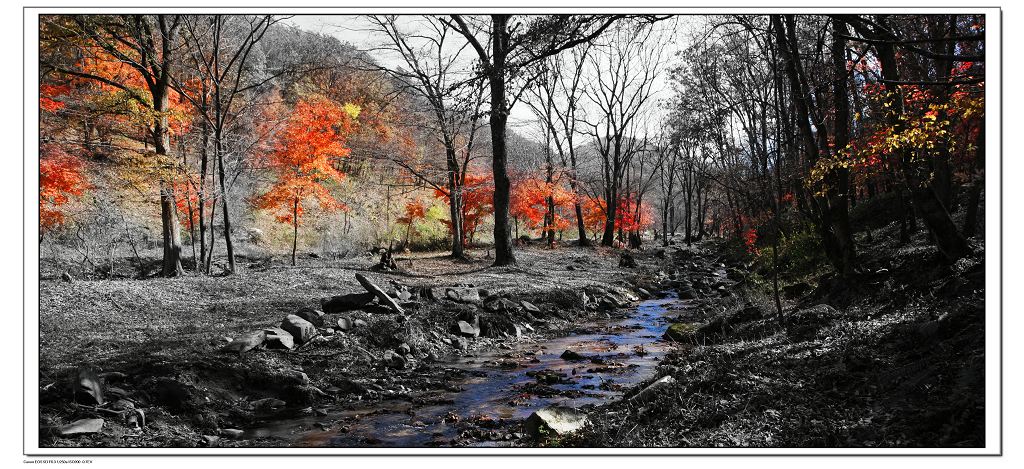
(349, 302)
(394, 360)
(268, 403)
(233, 433)
(529, 307)
(463, 295)
(81, 427)
(468, 330)
(571, 356)
(313, 316)
(278, 338)
(557, 420)
(345, 324)
(245, 343)
(301, 330)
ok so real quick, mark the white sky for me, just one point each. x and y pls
(353, 29)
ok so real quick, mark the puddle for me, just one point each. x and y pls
(503, 384)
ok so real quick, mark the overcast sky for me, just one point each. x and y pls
(355, 30)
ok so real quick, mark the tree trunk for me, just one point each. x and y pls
(224, 202)
(203, 162)
(503, 253)
(838, 197)
(168, 210)
(455, 204)
(295, 228)
(951, 244)
(611, 205)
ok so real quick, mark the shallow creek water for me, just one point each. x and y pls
(503, 384)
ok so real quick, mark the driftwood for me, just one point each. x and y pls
(381, 295)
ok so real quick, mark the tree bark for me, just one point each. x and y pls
(295, 228)
(168, 209)
(503, 252)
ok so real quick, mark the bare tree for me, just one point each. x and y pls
(431, 69)
(223, 48)
(623, 71)
(516, 44)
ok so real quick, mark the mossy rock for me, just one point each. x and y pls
(682, 331)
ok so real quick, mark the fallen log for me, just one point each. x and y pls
(381, 295)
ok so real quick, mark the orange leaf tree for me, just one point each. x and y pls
(60, 176)
(530, 203)
(415, 210)
(305, 157)
(477, 197)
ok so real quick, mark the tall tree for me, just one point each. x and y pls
(623, 72)
(516, 45)
(431, 68)
(224, 47)
(147, 45)
(306, 157)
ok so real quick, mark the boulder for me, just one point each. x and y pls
(301, 330)
(89, 387)
(278, 338)
(357, 323)
(404, 294)
(313, 316)
(81, 427)
(349, 302)
(245, 343)
(687, 292)
(682, 332)
(434, 293)
(233, 433)
(501, 305)
(463, 295)
(557, 420)
(269, 403)
(394, 360)
(404, 349)
(571, 356)
(467, 330)
(627, 260)
(345, 324)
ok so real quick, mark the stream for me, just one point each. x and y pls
(501, 385)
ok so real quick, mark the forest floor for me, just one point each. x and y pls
(891, 358)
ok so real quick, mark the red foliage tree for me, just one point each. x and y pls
(305, 157)
(529, 203)
(60, 177)
(477, 203)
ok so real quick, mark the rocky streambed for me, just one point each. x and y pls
(496, 390)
